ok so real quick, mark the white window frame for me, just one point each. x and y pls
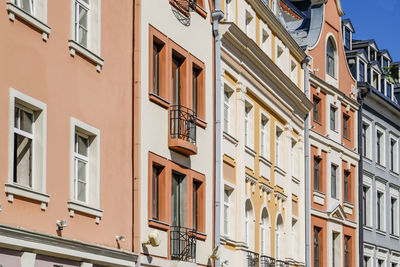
(86, 6)
(86, 160)
(265, 142)
(32, 8)
(294, 166)
(92, 204)
(367, 182)
(278, 145)
(381, 188)
(394, 193)
(264, 234)
(394, 168)
(249, 124)
(38, 189)
(227, 205)
(368, 140)
(382, 146)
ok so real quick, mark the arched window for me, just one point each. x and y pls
(249, 224)
(264, 233)
(330, 57)
(278, 237)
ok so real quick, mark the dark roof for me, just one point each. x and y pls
(348, 21)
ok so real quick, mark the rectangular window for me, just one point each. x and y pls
(156, 192)
(176, 80)
(364, 139)
(156, 68)
(316, 102)
(364, 199)
(347, 251)
(333, 180)
(227, 195)
(23, 145)
(346, 129)
(361, 72)
(195, 90)
(379, 148)
(81, 22)
(226, 111)
(246, 126)
(81, 159)
(333, 118)
(347, 38)
(346, 186)
(317, 162)
(317, 246)
(198, 88)
(178, 200)
(392, 215)
(393, 155)
(379, 209)
(196, 195)
(278, 136)
(389, 90)
(381, 263)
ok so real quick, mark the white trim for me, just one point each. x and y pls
(92, 204)
(18, 190)
(26, 240)
(15, 11)
(75, 47)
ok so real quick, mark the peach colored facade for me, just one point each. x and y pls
(83, 89)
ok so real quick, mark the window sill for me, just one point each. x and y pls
(15, 11)
(348, 208)
(368, 228)
(394, 236)
(74, 48)
(159, 225)
(18, 190)
(83, 208)
(380, 166)
(381, 232)
(317, 122)
(394, 173)
(159, 100)
(230, 138)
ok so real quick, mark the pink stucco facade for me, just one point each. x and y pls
(70, 86)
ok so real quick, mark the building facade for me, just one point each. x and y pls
(333, 135)
(263, 110)
(66, 190)
(380, 151)
(176, 126)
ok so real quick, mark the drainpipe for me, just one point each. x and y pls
(217, 15)
(363, 90)
(307, 182)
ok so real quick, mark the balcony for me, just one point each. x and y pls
(266, 261)
(183, 244)
(182, 137)
(252, 259)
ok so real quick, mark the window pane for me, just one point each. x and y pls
(82, 171)
(26, 121)
(81, 191)
(82, 28)
(83, 145)
(22, 160)
(16, 117)
(155, 199)
(26, 5)
(156, 68)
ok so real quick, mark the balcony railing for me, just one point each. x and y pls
(186, 5)
(183, 123)
(252, 259)
(183, 244)
(266, 261)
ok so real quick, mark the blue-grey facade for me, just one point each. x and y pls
(380, 142)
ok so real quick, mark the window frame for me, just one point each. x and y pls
(86, 7)
(346, 126)
(334, 169)
(316, 109)
(331, 57)
(38, 190)
(31, 12)
(332, 118)
(347, 194)
(317, 170)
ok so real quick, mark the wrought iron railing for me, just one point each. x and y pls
(183, 244)
(187, 5)
(266, 261)
(182, 123)
(252, 259)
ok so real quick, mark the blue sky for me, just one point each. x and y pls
(376, 19)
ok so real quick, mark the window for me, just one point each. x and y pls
(385, 62)
(346, 126)
(316, 106)
(380, 148)
(226, 111)
(365, 205)
(393, 216)
(335, 248)
(279, 245)
(81, 22)
(157, 170)
(364, 139)
(361, 72)
(198, 89)
(393, 155)
(156, 68)
(264, 137)
(317, 247)
(228, 9)
(195, 200)
(381, 263)
(179, 200)
(333, 118)
(26, 5)
(347, 251)
(333, 180)
(249, 224)
(347, 38)
(85, 168)
(375, 79)
(278, 146)
(330, 57)
(248, 125)
(389, 90)
(317, 177)
(379, 210)
(346, 186)
(227, 207)
(23, 145)
(27, 149)
(264, 238)
(293, 158)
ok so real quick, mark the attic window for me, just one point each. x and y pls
(347, 39)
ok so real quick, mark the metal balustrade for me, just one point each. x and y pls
(252, 259)
(183, 244)
(182, 123)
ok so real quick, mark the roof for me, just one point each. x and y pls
(348, 24)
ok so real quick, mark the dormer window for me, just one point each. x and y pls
(385, 62)
(361, 71)
(372, 56)
(347, 39)
(330, 57)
